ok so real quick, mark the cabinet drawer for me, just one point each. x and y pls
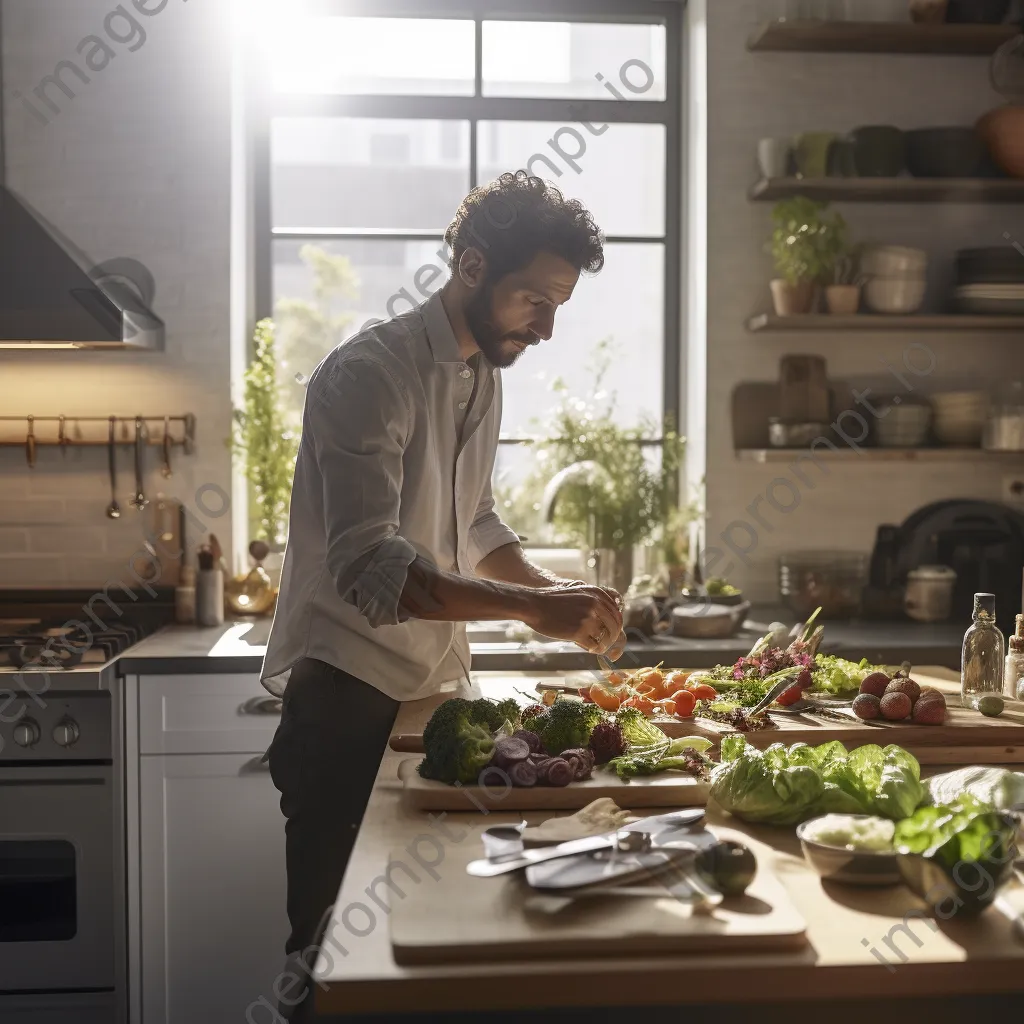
(206, 714)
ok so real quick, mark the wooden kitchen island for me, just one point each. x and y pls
(946, 969)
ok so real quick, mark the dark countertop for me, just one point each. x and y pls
(240, 647)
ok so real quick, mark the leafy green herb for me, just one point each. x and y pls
(966, 830)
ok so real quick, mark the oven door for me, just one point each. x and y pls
(56, 878)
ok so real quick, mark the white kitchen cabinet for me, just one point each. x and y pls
(211, 878)
(213, 888)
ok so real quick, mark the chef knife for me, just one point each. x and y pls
(492, 868)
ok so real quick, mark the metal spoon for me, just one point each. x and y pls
(114, 510)
(139, 502)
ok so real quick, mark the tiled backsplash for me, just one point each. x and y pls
(136, 165)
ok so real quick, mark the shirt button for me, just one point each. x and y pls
(466, 373)
(462, 405)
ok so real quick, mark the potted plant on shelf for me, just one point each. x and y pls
(806, 242)
(266, 444)
(842, 296)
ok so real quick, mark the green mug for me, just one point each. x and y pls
(842, 159)
(811, 150)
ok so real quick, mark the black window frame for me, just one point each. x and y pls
(477, 108)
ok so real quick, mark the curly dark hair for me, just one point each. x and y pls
(516, 216)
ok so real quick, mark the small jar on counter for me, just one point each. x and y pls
(1013, 676)
(209, 591)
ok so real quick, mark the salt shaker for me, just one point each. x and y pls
(209, 591)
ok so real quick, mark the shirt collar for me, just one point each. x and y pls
(443, 345)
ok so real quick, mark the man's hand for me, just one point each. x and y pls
(587, 616)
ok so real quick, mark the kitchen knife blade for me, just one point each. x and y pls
(491, 868)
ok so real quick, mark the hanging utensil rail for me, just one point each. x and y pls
(161, 432)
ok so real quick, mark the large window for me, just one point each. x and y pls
(379, 118)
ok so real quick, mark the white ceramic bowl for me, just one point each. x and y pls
(893, 261)
(903, 426)
(961, 404)
(895, 294)
(966, 434)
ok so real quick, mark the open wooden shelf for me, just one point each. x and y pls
(846, 454)
(881, 323)
(879, 37)
(892, 190)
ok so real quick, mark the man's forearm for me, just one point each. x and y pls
(509, 564)
(431, 593)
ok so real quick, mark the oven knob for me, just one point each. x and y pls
(65, 732)
(26, 733)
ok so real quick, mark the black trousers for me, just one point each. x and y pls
(324, 759)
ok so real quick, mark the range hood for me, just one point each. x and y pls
(51, 297)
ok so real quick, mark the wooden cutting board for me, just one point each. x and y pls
(966, 737)
(670, 789)
(452, 917)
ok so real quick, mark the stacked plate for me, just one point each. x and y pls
(990, 281)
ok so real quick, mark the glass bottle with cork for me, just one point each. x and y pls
(982, 668)
(1013, 675)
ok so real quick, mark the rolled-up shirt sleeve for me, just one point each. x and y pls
(356, 426)
(488, 532)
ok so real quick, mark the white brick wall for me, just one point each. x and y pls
(138, 165)
(756, 95)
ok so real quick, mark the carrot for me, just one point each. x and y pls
(605, 699)
(677, 681)
(643, 704)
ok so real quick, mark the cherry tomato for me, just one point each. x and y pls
(585, 694)
(645, 688)
(685, 702)
(616, 678)
(702, 691)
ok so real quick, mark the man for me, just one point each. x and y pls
(394, 541)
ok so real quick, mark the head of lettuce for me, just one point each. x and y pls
(786, 785)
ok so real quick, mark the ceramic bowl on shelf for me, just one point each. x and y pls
(895, 295)
(944, 153)
(977, 12)
(959, 417)
(893, 261)
(1003, 132)
(902, 426)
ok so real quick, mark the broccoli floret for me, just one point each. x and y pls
(569, 724)
(637, 730)
(457, 746)
(535, 721)
(508, 711)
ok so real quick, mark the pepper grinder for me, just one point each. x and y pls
(209, 590)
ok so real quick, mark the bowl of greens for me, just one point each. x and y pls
(957, 856)
(855, 849)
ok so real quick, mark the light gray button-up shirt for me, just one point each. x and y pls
(382, 477)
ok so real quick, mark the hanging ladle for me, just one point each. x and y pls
(113, 510)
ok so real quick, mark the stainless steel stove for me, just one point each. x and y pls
(63, 954)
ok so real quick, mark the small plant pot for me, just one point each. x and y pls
(842, 299)
(792, 299)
